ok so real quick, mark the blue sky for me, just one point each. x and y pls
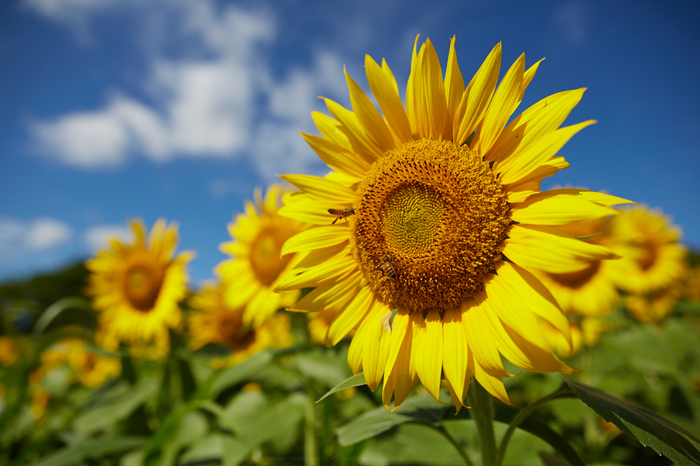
(111, 109)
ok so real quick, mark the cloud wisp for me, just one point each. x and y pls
(20, 237)
(228, 104)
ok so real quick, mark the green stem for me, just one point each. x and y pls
(520, 417)
(456, 444)
(482, 412)
(310, 447)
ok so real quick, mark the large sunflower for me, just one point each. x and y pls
(590, 291)
(214, 322)
(137, 286)
(256, 266)
(652, 256)
(443, 220)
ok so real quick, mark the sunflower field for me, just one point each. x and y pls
(425, 302)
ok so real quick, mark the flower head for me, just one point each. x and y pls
(431, 265)
(136, 287)
(256, 266)
(590, 291)
(651, 255)
(214, 322)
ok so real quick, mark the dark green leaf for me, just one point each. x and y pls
(652, 430)
(420, 409)
(115, 406)
(91, 448)
(240, 372)
(354, 381)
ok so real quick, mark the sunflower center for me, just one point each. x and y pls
(142, 284)
(265, 254)
(232, 332)
(648, 257)
(428, 222)
(576, 280)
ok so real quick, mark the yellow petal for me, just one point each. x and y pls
(337, 157)
(354, 131)
(505, 101)
(430, 93)
(477, 96)
(530, 184)
(429, 353)
(454, 88)
(455, 352)
(554, 208)
(323, 189)
(387, 95)
(551, 250)
(331, 129)
(348, 318)
(376, 345)
(307, 209)
(397, 375)
(333, 269)
(518, 331)
(532, 295)
(492, 383)
(527, 161)
(368, 116)
(482, 343)
(316, 237)
(534, 123)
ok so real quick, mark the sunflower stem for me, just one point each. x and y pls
(482, 412)
(562, 392)
(456, 444)
(310, 447)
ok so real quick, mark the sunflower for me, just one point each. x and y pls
(590, 291)
(89, 365)
(8, 351)
(654, 305)
(136, 287)
(214, 322)
(651, 255)
(443, 221)
(256, 266)
(558, 342)
(318, 323)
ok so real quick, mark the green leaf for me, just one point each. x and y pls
(56, 309)
(92, 448)
(114, 406)
(423, 409)
(354, 381)
(372, 423)
(240, 372)
(650, 429)
(323, 366)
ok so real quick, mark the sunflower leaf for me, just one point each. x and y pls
(650, 429)
(354, 381)
(91, 448)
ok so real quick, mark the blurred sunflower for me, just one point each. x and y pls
(137, 286)
(256, 266)
(654, 305)
(8, 351)
(443, 217)
(691, 285)
(590, 291)
(213, 321)
(319, 323)
(90, 366)
(651, 255)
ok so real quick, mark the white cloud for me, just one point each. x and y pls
(18, 237)
(223, 106)
(571, 20)
(97, 236)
